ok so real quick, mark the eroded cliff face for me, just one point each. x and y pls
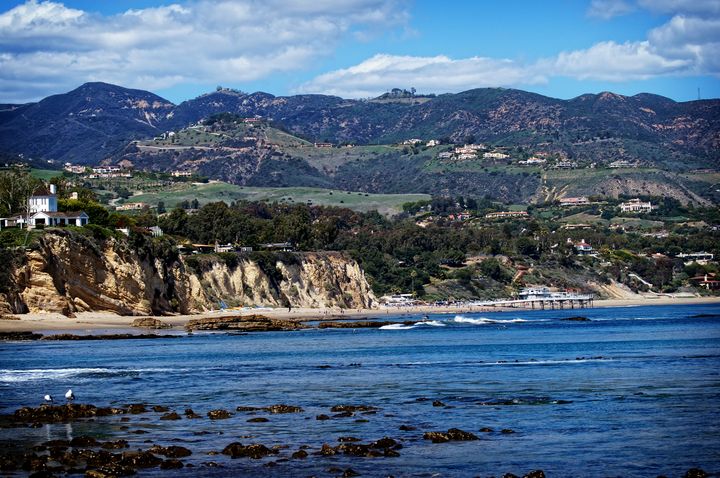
(326, 279)
(68, 273)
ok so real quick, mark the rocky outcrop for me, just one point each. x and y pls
(66, 272)
(248, 323)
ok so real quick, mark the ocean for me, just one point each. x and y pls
(634, 391)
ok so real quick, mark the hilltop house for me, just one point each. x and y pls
(636, 206)
(582, 248)
(42, 211)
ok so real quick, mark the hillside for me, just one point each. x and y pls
(97, 117)
(254, 153)
(84, 125)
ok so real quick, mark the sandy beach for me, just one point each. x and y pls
(104, 322)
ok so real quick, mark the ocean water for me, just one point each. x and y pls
(633, 392)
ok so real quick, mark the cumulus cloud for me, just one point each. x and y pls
(47, 47)
(437, 73)
(687, 44)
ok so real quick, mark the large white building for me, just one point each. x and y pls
(636, 206)
(42, 211)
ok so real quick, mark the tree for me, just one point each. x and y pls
(16, 187)
(161, 207)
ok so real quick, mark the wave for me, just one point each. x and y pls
(397, 327)
(30, 375)
(432, 323)
(461, 319)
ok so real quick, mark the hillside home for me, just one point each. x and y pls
(702, 258)
(582, 248)
(574, 201)
(131, 206)
(506, 214)
(636, 206)
(42, 211)
(495, 155)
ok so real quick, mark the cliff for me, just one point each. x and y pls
(66, 272)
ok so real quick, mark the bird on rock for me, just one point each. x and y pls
(69, 395)
(48, 398)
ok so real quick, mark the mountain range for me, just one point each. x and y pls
(97, 122)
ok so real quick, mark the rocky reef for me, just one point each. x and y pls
(67, 272)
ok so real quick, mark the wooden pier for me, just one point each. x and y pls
(569, 301)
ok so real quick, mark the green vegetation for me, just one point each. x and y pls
(175, 194)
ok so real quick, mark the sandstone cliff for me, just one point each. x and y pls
(66, 273)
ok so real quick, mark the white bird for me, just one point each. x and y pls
(69, 395)
(48, 398)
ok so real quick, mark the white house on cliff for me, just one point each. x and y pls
(42, 211)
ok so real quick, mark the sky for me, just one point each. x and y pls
(361, 48)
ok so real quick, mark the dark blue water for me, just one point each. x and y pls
(633, 392)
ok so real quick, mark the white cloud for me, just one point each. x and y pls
(46, 43)
(687, 44)
(607, 9)
(428, 74)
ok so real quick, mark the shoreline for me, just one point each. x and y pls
(95, 323)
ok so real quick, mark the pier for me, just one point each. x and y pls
(542, 298)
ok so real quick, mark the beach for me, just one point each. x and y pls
(105, 322)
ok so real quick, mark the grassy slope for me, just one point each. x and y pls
(218, 191)
(45, 174)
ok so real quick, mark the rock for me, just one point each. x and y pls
(172, 451)
(385, 442)
(115, 445)
(535, 474)
(258, 420)
(111, 470)
(137, 408)
(576, 319)
(83, 441)
(348, 439)
(453, 434)
(160, 408)
(189, 413)
(283, 409)
(54, 413)
(353, 408)
(327, 450)
(695, 473)
(507, 431)
(255, 451)
(13, 336)
(247, 323)
(300, 455)
(510, 475)
(140, 459)
(322, 417)
(171, 465)
(407, 428)
(349, 473)
(108, 337)
(170, 416)
(438, 403)
(486, 430)
(219, 414)
(150, 323)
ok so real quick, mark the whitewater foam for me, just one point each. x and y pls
(30, 375)
(461, 319)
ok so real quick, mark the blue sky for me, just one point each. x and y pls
(361, 48)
